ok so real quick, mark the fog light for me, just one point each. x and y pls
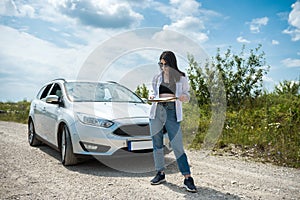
(90, 146)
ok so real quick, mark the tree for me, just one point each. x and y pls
(288, 87)
(198, 81)
(142, 91)
(241, 75)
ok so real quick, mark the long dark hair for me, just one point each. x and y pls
(171, 61)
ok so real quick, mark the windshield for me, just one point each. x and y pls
(100, 92)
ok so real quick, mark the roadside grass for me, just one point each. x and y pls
(269, 126)
(266, 129)
(14, 111)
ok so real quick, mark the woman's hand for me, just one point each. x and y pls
(151, 97)
(183, 98)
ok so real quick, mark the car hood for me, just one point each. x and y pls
(113, 110)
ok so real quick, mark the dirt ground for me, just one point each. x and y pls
(36, 173)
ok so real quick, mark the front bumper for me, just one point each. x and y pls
(96, 141)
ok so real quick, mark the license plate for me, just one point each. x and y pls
(139, 145)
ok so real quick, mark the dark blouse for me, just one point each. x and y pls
(164, 89)
(169, 88)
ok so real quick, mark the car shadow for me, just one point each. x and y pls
(126, 165)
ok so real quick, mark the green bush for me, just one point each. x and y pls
(268, 125)
(17, 112)
(195, 125)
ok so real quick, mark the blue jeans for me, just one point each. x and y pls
(166, 116)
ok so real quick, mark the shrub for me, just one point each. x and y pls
(17, 112)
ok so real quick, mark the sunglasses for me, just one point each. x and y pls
(161, 65)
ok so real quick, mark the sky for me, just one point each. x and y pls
(48, 39)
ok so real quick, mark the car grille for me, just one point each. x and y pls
(133, 130)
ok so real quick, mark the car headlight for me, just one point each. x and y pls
(94, 121)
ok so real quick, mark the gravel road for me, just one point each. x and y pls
(36, 173)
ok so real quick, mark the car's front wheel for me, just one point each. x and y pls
(67, 155)
(32, 138)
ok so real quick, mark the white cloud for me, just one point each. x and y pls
(182, 9)
(94, 13)
(27, 10)
(186, 17)
(19, 44)
(268, 83)
(294, 21)
(284, 16)
(188, 23)
(29, 62)
(256, 24)
(99, 14)
(268, 79)
(275, 42)
(294, 17)
(289, 62)
(8, 8)
(190, 26)
(242, 40)
(295, 33)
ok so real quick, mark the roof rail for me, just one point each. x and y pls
(59, 79)
(112, 82)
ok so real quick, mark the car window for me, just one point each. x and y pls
(56, 90)
(121, 94)
(100, 92)
(45, 91)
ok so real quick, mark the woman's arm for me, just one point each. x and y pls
(154, 93)
(185, 96)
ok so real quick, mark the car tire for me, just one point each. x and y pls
(67, 155)
(32, 138)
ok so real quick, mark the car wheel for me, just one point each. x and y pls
(32, 138)
(67, 155)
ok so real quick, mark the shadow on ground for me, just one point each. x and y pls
(203, 193)
(122, 165)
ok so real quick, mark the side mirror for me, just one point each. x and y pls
(53, 99)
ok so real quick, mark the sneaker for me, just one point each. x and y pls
(189, 185)
(158, 179)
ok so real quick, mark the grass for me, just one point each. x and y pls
(14, 111)
(268, 127)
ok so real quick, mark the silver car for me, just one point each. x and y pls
(89, 118)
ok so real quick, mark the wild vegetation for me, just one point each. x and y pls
(266, 129)
(264, 125)
(14, 111)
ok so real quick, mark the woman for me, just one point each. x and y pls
(170, 83)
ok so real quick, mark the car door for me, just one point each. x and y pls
(52, 111)
(39, 107)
